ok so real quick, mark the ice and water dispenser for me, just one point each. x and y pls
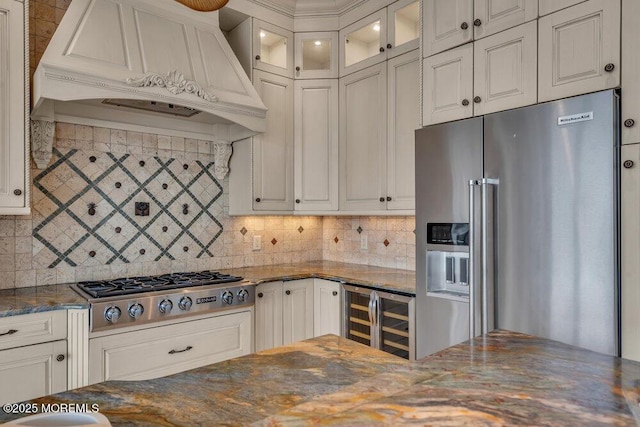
(448, 259)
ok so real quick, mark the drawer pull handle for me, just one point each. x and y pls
(334, 293)
(180, 351)
(9, 332)
(60, 357)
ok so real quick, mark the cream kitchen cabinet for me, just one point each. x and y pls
(630, 245)
(157, 352)
(579, 50)
(316, 145)
(316, 55)
(284, 313)
(492, 74)
(630, 72)
(14, 108)
(327, 307)
(451, 23)
(272, 49)
(384, 34)
(33, 359)
(272, 151)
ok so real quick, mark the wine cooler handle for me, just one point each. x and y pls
(486, 182)
(472, 260)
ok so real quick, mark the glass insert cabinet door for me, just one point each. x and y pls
(404, 27)
(272, 48)
(363, 43)
(316, 55)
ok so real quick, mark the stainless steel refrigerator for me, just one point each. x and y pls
(517, 217)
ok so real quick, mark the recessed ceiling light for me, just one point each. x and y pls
(262, 34)
(376, 27)
(318, 43)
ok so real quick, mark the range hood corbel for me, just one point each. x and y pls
(150, 54)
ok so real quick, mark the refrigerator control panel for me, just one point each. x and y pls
(456, 234)
(448, 273)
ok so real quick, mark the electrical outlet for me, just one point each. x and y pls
(364, 242)
(257, 243)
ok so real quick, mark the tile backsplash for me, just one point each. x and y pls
(83, 224)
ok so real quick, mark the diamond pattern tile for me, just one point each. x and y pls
(386, 242)
(243, 231)
(300, 229)
(335, 239)
(359, 230)
(69, 233)
(274, 241)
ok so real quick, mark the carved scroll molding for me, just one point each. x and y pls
(222, 151)
(174, 82)
(42, 132)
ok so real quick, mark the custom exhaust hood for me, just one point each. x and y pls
(144, 64)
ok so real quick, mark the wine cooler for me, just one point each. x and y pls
(382, 320)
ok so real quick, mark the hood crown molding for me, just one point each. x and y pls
(174, 82)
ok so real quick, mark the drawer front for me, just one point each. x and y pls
(26, 329)
(166, 350)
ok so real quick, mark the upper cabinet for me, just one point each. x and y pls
(579, 50)
(630, 82)
(450, 23)
(549, 6)
(272, 49)
(14, 106)
(316, 55)
(382, 35)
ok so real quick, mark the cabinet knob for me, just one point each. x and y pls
(60, 357)
(257, 57)
(297, 68)
(477, 100)
(609, 67)
(334, 293)
(465, 102)
(389, 46)
(17, 192)
(382, 199)
(629, 123)
(258, 199)
(260, 294)
(477, 22)
(297, 200)
(389, 198)
(464, 26)
(381, 49)
(628, 164)
(288, 292)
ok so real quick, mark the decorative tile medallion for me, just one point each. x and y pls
(300, 229)
(243, 231)
(386, 242)
(359, 230)
(274, 241)
(67, 229)
(335, 239)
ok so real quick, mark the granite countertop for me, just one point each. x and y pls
(61, 297)
(39, 298)
(500, 379)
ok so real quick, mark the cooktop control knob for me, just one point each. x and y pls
(227, 297)
(165, 306)
(242, 295)
(136, 310)
(185, 303)
(112, 314)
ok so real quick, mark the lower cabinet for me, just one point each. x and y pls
(165, 350)
(284, 313)
(33, 360)
(33, 371)
(327, 307)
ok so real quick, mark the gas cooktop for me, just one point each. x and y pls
(134, 285)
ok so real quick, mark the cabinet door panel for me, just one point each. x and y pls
(32, 371)
(506, 69)
(630, 194)
(499, 15)
(327, 311)
(316, 145)
(575, 45)
(404, 119)
(298, 311)
(273, 149)
(448, 85)
(444, 24)
(403, 18)
(549, 6)
(363, 43)
(272, 49)
(12, 113)
(268, 323)
(363, 139)
(630, 82)
(316, 55)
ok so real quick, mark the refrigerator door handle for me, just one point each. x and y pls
(472, 293)
(485, 254)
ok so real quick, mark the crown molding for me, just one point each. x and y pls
(306, 8)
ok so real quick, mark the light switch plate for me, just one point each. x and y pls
(257, 243)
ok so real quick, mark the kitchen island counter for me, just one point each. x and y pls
(501, 379)
(37, 299)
